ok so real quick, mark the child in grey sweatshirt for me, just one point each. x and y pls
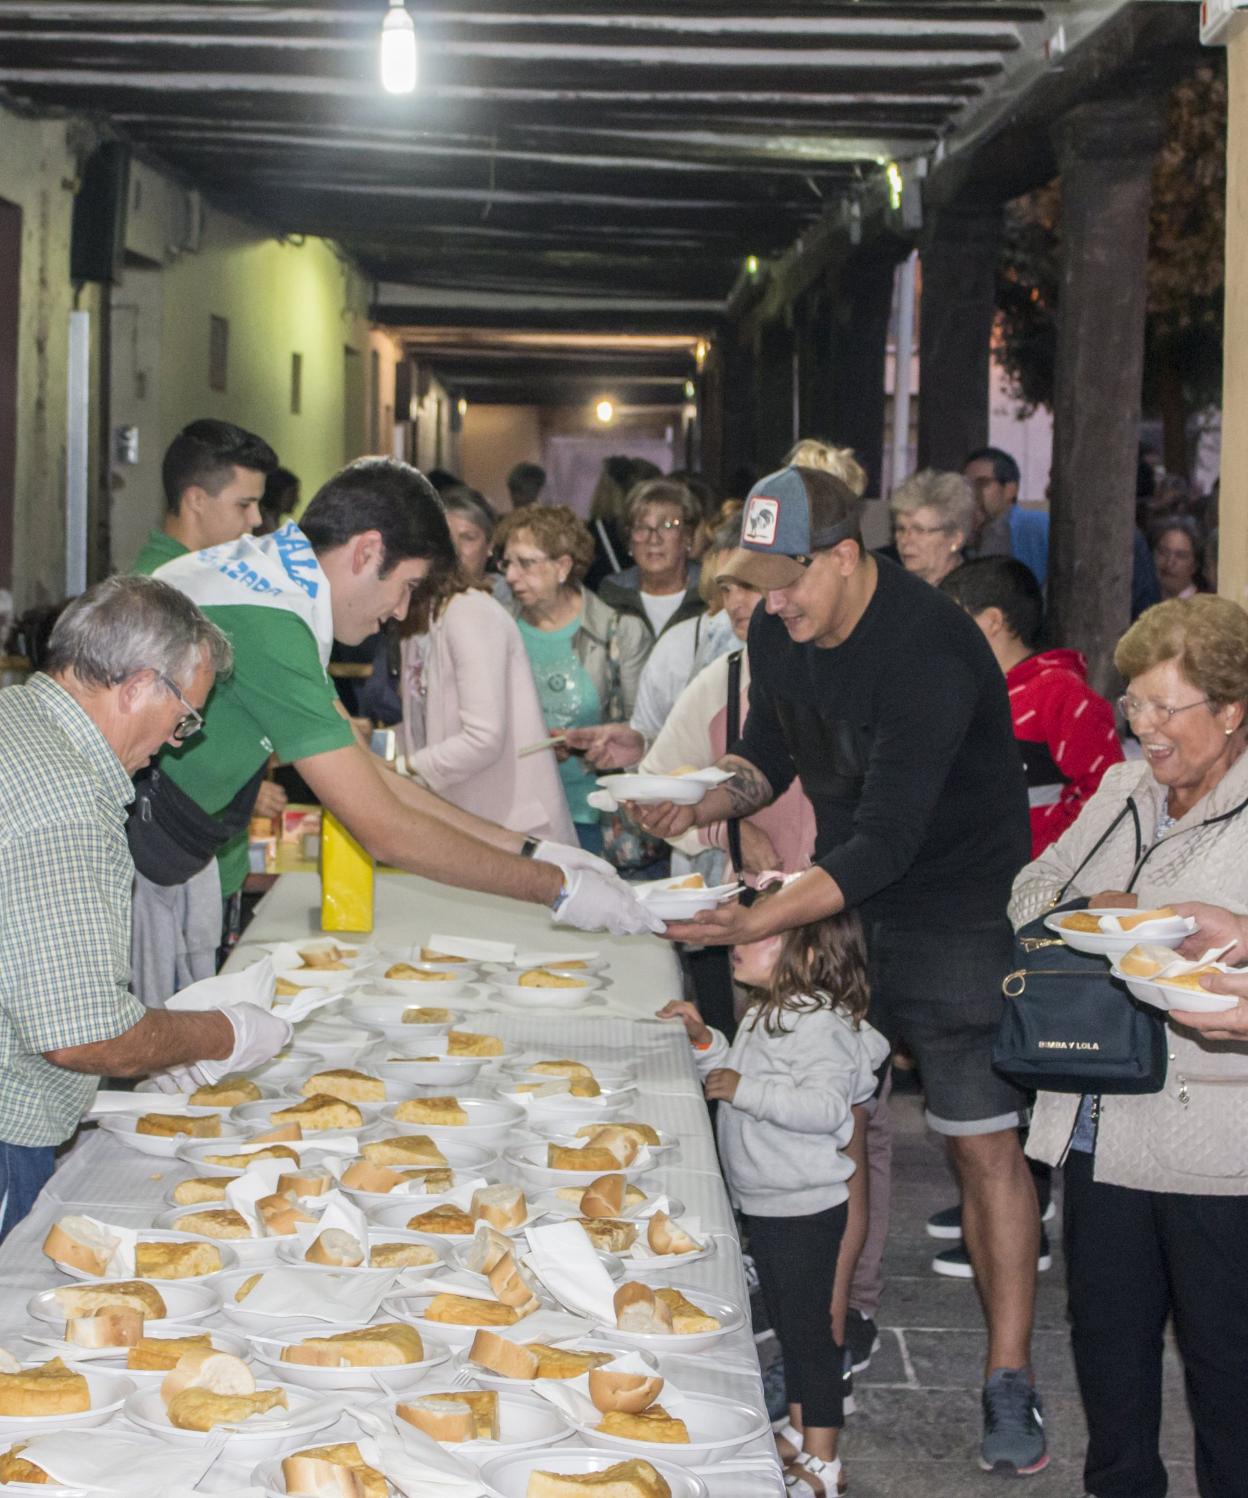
(802, 1060)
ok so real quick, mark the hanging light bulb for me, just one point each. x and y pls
(398, 50)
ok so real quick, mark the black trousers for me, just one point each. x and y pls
(1134, 1258)
(796, 1262)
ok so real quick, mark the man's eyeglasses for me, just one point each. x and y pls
(648, 532)
(191, 721)
(1132, 707)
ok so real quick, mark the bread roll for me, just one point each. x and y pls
(507, 1359)
(318, 1112)
(654, 1424)
(197, 1189)
(444, 1112)
(305, 1183)
(488, 1246)
(501, 1206)
(484, 1406)
(443, 1219)
(279, 1216)
(466, 1310)
(205, 1368)
(603, 1197)
(634, 1478)
(637, 1309)
(592, 1157)
(160, 1354)
(166, 1125)
(631, 1392)
(48, 1390)
(346, 1084)
(160, 1260)
(513, 1286)
(337, 1248)
(446, 1419)
(80, 1244)
(666, 1237)
(229, 1092)
(84, 1300)
(687, 1318)
(201, 1409)
(403, 1149)
(337, 1471)
(117, 1326)
(219, 1222)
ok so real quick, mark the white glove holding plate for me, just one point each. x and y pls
(597, 904)
(569, 859)
(258, 1036)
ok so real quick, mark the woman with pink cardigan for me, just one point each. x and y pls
(469, 706)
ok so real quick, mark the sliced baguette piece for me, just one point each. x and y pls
(513, 1286)
(637, 1309)
(592, 1157)
(114, 1326)
(631, 1392)
(81, 1244)
(667, 1237)
(622, 1144)
(312, 1182)
(488, 1246)
(603, 1197)
(84, 1300)
(498, 1354)
(501, 1206)
(337, 1471)
(218, 1372)
(280, 1216)
(447, 1419)
(337, 1248)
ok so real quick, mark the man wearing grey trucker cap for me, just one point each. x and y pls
(881, 695)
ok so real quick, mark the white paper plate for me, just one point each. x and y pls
(660, 1264)
(547, 998)
(1167, 996)
(313, 977)
(249, 1253)
(396, 1214)
(387, 956)
(411, 1306)
(561, 1132)
(406, 1078)
(290, 1252)
(239, 1317)
(525, 1421)
(611, 1076)
(178, 1102)
(1169, 933)
(730, 1318)
(675, 908)
(508, 1475)
(267, 1350)
(185, 1300)
(491, 1122)
(530, 1161)
(195, 1154)
(568, 1111)
(122, 1127)
(718, 1427)
(433, 989)
(107, 1392)
(648, 788)
(363, 953)
(553, 1206)
(385, 1012)
(229, 1260)
(375, 1203)
(143, 1377)
(264, 1435)
(259, 1116)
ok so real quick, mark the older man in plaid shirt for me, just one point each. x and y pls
(130, 665)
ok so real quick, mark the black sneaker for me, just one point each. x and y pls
(947, 1223)
(1013, 1441)
(862, 1340)
(955, 1263)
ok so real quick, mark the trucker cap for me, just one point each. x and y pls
(788, 516)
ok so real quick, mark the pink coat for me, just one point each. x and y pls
(480, 708)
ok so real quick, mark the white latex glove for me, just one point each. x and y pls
(597, 904)
(570, 859)
(173, 1080)
(258, 1036)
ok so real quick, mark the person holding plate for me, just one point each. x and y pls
(1163, 1177)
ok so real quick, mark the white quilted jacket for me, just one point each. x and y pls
(1191, 1137)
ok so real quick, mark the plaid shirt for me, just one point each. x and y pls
(65, 882)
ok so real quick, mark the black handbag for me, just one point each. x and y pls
(1068, 1026)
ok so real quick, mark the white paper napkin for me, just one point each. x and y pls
(113, 1463)
(459, 1282)
(254, 985)
(107, 1101)
(642, 1250)
(472, 949)
(120, 1265)
(349, 1298)
(571, 1395)
(564, 1259)
(340, 1212)
(413, 1462)
(1163, 926)
(243, 1192)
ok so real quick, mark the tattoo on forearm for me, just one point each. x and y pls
(749, 789)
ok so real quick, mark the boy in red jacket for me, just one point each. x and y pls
(1065, 730)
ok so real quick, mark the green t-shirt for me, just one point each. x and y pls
(277, 700)
(569, 699)
(158, 548)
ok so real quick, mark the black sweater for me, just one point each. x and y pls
(902, 738)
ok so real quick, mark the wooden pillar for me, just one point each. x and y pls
(773, 384)
(859, 351)
(813, 316)
(737, 402)
(959, 252)
(1106, 151)
(1233, 491)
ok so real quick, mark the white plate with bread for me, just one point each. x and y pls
(80, 1250)
(472, 1120)
(315, 1355)
(611, 1076)
(389, 1250)
(537, 1474)
(551, 1166)
(168, 1303)
(322, 1116)
(717, 1428)
(375, 1202)
(569, 1201)
(670, 1318)
(328, 954)
(409, 1074)
(385, 1011)
(248, 1435)
(502, 1206)
(555, 1104)
(1108, 931)
(423, 982)
(228, 1158)
(1184, 992)
(221, 1223)
(473, 1423)
(503, 1360)
(452, 1316)
(565, 1132)
(47, 1396)
(155, 1354)
(162, 1133)
(227, 1093)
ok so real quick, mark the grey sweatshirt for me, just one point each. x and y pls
(781, 1139)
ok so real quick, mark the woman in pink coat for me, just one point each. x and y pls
(469, 706)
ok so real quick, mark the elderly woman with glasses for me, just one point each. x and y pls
(586, 657)
(1156, 1186)
(933, 516)
(661, 589)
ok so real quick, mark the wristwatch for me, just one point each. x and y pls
(529, 847)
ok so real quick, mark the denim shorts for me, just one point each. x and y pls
(939, 993)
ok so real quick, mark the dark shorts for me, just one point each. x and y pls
(939, 993)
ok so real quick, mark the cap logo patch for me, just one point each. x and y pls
(761, 518)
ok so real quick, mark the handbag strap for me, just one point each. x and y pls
(733, 734)
(1127, 810)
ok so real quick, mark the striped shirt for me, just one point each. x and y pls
(65, 881)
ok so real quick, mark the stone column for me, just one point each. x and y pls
(1106, 152)
(1233, 491)
(960, 248)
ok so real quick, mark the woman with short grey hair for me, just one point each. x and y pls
(471, 522)
(933, 516)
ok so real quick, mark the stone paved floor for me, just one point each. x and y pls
(916, 1431)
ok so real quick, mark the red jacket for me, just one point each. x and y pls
(1067, 736)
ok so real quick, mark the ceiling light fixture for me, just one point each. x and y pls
(605, 412)
(398, 50)
(896, 182)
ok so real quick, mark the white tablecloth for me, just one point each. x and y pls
(102, 1177)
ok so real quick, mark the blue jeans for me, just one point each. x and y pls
(24, 1170)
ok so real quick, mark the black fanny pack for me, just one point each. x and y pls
(171, 837)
